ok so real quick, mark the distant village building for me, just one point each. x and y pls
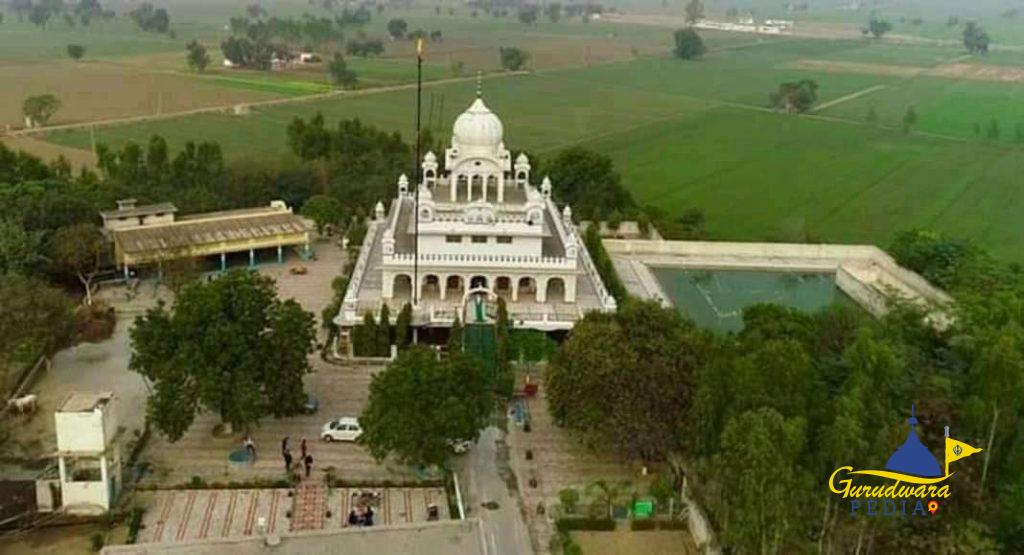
(88, 453)
(485, 231)
(153, 234)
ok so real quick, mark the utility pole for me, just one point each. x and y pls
(416, 184)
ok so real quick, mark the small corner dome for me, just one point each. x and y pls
(522, 159)
(478, 126)
(430, 157)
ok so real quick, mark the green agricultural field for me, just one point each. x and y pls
(700, 135)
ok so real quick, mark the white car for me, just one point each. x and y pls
(345, 428)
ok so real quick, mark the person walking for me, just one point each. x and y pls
(250, 447)
(287, 460)
(302, 448)
(308, 460)
(284, 445)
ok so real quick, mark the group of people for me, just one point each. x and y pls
(362, 508)
(306, 458)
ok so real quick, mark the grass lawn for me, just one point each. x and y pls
(626, 542)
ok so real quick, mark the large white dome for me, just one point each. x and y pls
(478, 127)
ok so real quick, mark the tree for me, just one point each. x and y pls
(228, 345)
(39, 15)
(196, 56)
(151, 19)
(326, 212)
(694, 11)
(79, 250)
(35, 319)
(604, 494)
(909, 119)
(513, 59)
(39, 109)
(455, 337)
(339, 73)
(419, 406)
(397, 28)
(689, 45)
(625, 381)
(76, 51)
(402, 326)
(21, 250)
(999, 381)
(758, 471)
(976, 40)
(255, 11)
(795, 96)
(528, 14)
(587, 181)
(878, 26)
(383, 339)
(553, 11)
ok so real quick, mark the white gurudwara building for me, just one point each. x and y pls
(484, 230)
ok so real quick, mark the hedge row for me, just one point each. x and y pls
(653, 524)
(565, 525)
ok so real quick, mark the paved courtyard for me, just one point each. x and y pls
(175, 516)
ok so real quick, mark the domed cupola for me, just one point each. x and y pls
(478, 128)
(913, 457)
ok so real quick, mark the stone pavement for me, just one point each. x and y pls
(310, 506)
(177, 516)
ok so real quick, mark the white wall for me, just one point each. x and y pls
(438, 244)
(81, 431)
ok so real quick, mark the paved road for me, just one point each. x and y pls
(505, 532)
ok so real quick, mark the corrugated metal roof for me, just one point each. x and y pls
(145, 210)
(192, 233)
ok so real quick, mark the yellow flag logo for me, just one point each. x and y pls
(956, 450)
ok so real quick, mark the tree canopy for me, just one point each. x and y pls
(587, 181)
(976, 40)
(878, 26)
(229, 346)
(512, 58)
(40, 108)
(689, 45)
(196, 56)
(419, 406)
(795, 96)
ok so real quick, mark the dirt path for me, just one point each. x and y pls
(249, 105)
(847, 98)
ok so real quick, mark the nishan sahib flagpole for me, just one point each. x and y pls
(419, 171)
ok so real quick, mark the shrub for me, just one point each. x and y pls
(569, 498)
(197, 482)
(96, 541)
(565, 525)
(672, 525)
(661, 490)
(572, 548)
(134, 524)
(642, 525)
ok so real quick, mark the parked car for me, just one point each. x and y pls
(345, 428)
(311, 406)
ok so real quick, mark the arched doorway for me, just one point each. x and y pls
(461, 188)
(492, 189)
(478, 282)
(402, 287)
(555, 291)
(503, 287)
(453, 288)
(431, 287)
(476, 187)
(526, 289)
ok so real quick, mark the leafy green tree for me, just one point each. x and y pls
(76, 51)
(999, 383)
(528, 14)
(694, 11)
(455, 337)
(553, 11)
(196, 56)
(625, 381)
(588, 182)
(21, 250)
(367, 336)
(79, 250)
(40, 108)
(35, 319)
(419, 405)
(339, 73)
(604, 495)
(403, 326)
(383, 339)
(878, 26)
(689, 45)
(976, 40)
(229, 346)
(796, 96)
(397, 28)
(512, 58)
(909, 119)
(325, 212)
(761, 480)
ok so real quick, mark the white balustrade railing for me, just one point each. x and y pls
(565, 232)
(350, 303)
(545, 262)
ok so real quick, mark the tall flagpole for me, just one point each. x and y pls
(416, 184)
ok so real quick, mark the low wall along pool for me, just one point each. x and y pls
(715, 299)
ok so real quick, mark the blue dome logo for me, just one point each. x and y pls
(913, 457)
